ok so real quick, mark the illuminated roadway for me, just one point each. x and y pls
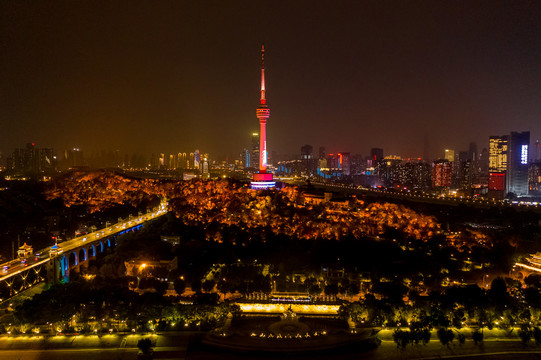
(41, 257)
(426, 198)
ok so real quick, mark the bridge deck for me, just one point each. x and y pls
(41, 257)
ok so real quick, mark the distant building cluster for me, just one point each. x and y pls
(31, 159)
(35, 161)
(512, 171)
(508, 168)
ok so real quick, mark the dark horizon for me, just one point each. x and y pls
(142, 77)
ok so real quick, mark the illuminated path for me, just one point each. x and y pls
(54, 265)
(174, 345)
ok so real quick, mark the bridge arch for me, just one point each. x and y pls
(82, 255)
(64, 266)
(91, 251)
(73, 259)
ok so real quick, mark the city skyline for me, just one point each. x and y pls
(349, 77)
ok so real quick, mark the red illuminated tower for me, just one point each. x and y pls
(262, 179)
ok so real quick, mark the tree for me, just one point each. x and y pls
(394, 291)
(446, 336)
(498, 292)
(401, 338)
(533, 280)
(208, 285)
(331, 289)
(477, 337)
(537, 335)
(196, 285)
(145, 345)
(314, 289)
(525, 334)
(353, 288)
(180, 286)
(532, 296)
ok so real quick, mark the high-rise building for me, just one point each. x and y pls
(497, 160)
(449, 155)
(309, 164)
(517, 163)
(441, 173)
(205, 169)
(376, 154)
(345, 163)
(336, 165)
(483, 167)
(467, 174)
(472, 152)
(246, 156)
(191, 161)
(307, 152)
(461, 173)
(322, 153)
(196, 159)
(358, 165)
(473, 157)
(32, 160)
(534, 178)
(497, 165)
(263, 179)
(537, 150)
(389, 170)
(254, 156)
(417, 175)
(162, 161)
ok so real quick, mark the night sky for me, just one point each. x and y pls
(165, 76)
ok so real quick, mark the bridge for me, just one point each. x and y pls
(53, 264)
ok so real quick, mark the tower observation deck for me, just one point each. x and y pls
(262, 179)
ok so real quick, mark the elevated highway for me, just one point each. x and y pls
(54, 263)
(426, 198)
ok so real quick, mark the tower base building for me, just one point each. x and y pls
(263, 181)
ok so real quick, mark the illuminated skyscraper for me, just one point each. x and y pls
(205, 169)
(246, 157)
(517, 163)
(263, 179)
(191, 161)
(196, 159)
(181, 161)
(497, 165)
(254, 156)
(441, 173)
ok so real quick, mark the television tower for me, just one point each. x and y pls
(262, 179)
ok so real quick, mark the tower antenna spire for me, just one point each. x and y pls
(263, 101)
